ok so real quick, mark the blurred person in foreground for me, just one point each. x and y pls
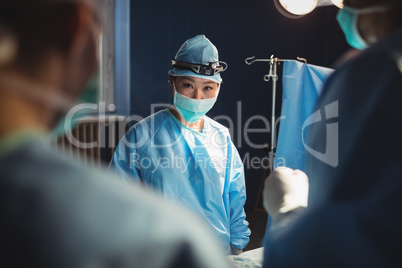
(353, 196)
(57, 213)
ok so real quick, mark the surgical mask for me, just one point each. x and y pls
(348, 17)
(191, 109)
(65, 125)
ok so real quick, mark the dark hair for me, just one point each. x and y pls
(39, 27)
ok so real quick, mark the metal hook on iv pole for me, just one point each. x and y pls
(251, 60)
(272, 65)
(274, 76)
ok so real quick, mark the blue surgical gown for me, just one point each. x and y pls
(201, 170)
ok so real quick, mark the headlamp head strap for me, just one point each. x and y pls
(212, 69)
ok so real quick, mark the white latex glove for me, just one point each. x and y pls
(285, 190)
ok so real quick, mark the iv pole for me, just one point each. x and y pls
(273, 62)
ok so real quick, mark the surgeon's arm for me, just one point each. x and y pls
(239, 231)
(125, 159)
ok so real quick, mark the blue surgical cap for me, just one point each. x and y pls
(198, 50)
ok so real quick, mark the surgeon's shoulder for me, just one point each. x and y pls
(215, 126)
(151, 123)
(108, 213)
(352, 76)
(380, 54)
(146, 128)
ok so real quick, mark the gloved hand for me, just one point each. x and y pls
(285, 190)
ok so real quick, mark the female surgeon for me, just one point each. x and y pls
(186, 155)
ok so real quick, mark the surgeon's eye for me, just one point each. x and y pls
(208, 88)
(188, 85)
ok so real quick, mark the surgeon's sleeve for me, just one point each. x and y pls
(126, 158)
(239, 231)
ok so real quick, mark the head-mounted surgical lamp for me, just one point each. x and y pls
(298, 8)
(211, 69)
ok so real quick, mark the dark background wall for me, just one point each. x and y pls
(239, 29)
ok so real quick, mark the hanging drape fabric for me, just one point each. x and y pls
(302, 85)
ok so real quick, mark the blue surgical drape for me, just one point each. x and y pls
(302, 85)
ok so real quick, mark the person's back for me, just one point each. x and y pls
(71, 216)
(352, 217)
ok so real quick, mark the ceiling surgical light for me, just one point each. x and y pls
(299, 8)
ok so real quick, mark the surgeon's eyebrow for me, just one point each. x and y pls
(209, 82)
(205, 82)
